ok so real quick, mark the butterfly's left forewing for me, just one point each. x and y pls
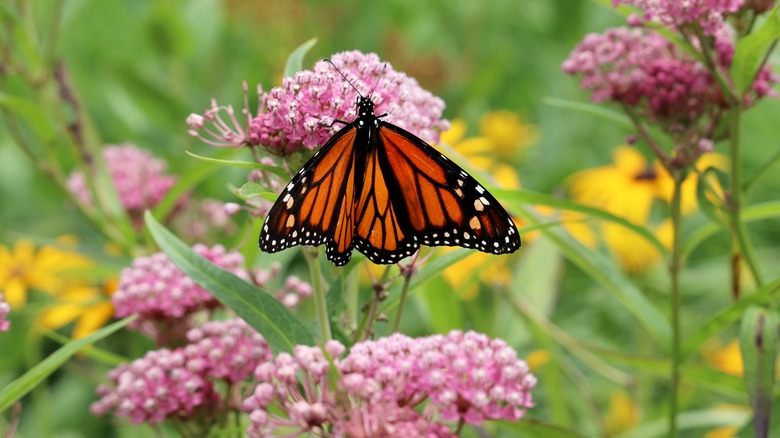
(317, 206)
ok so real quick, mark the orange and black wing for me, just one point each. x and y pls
(317, 206)
(412, 195)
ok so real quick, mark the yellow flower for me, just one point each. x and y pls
(507, 132)
(689, 200)
(23, 268)
(632, 251)
(622, 414)
(628, 188)
(537, 358)
(89, 306)
(726, 358)
(576, 223)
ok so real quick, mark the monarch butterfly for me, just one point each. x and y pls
(378, 188)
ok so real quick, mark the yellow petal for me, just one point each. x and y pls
(622, 414)
(93, 319)
(629, 161)
(456, 132)
(633, 252)
(507, 132)
(506, 176)
(537, 358)
(15, 292)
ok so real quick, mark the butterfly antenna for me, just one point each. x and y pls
(342, 75)
(384, 67)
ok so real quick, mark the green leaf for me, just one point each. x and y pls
(294, 62)
(37, 374)
(536, 198)
(705, 418)
(750, 51)
(266, 314)
(758, 341)
(601, 269)
(37, 118)
(704, 193)
(590, 108)
(766, 210)
(726, 317)
(248, 164)
(252, 190)
(99, 355)
(535, 428)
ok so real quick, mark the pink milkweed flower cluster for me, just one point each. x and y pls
(164, 298)
(301, 113)
(643, 70)
(463, 377)
(182, 383)
(678, 14)
(139, 179)
(5, 309)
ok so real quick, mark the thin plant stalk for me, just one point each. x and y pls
(742, 248)
(674, 271)
(402, 303)
(320, 303)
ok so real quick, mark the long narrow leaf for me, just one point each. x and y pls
(602, 270)
(727, 317)
(267, 315)
(294, 62)
(536, 198)
(37, 374)
(248, 164)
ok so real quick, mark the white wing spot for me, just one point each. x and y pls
(484, 201)
(290, 186)
(480, 189)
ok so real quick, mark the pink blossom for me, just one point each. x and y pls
(301, 112)
(465, 377)
(645, 71)
(203, 220)
(5, 309)
(156, 387)
(165, 298)
(138, 178)
(676, 14)
(226, 350)
(180, 383)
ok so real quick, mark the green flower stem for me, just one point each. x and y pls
(320, 305)
(674, 272)
(742, 248)
(404, 294)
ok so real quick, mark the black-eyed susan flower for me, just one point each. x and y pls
(628, 188)
(24, 267)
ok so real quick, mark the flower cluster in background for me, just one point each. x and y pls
(139, 179)
(301, 113)
(165, 299)
(463, 377)
(676, 14)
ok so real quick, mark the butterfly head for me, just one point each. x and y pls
(365, 106)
